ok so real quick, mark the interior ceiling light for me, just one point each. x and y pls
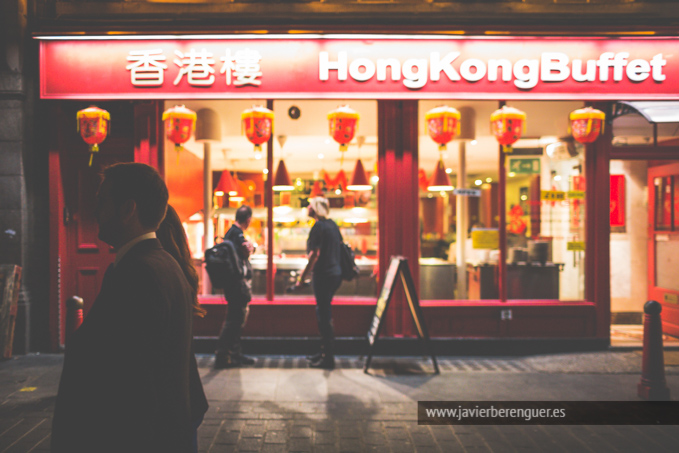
(440, 180)
(359, 180)
(281, 182)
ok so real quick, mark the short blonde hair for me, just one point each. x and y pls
(320, 205)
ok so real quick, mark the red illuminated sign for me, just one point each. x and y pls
(379, 68)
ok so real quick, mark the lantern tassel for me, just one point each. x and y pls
(91, 156)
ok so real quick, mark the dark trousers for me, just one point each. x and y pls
(236, 316)
(325, 287)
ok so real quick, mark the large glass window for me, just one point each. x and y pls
(446, 218)
(545, 206)
(315, 166)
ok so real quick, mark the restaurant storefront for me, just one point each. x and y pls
(514, 244)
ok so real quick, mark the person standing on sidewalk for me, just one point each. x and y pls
(323, 249)
(125, 380)
(172, 237)
(238, 294)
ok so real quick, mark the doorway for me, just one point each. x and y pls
(663, 242)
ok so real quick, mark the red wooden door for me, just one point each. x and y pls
(663, 242)
(79, 258)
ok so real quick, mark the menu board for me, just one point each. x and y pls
(398, 266)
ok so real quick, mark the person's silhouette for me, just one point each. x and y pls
(125, 381)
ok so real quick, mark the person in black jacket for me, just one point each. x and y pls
(238, 294)
(125, 383)
(323, 248)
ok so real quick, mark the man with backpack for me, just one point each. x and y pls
(237, 291)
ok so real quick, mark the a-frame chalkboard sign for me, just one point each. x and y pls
(398, 266)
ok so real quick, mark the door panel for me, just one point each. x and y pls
(82, 256)
(663, 245)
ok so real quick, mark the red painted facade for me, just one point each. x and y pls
(78, 259)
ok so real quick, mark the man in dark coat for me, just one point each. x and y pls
(125, 384)
(238, 294)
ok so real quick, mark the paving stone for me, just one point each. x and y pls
(375, 439)
(253, 431)
(349, 432)
(427, 449)
(275, 448)
(353, 445)
(324, 425)
(451, 446)
(300, 444)
(402, 447)
(442, 433)
(275, 437)
(227, 437)
(252, 444)
(301, 432)
(324, 438)
(423, 440)
(326, 448)
(276, 425)
(396, 433)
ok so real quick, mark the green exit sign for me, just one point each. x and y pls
(524, 166)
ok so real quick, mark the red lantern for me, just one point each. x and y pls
(179, 124)
(93, 124)
(343, 122)
(443, 125)
(507, 125)
(257, 123)
(587, 124)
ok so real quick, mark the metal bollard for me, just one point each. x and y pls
(652, 385)
(74, 314)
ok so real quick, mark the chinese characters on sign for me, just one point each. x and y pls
(239, 68)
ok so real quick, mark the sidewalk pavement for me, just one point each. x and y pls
(281, 405)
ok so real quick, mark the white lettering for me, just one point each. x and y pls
(494, 65)
(478, 73)
(589, 76)
(147, 69)
(526, 80)
(325, 66)
(355, 69)
(554, 67)
(638, 70)
(619, 64)
(657, 63)
(393, 64)
(445, 65)
(415, 79)
(414, 73)
(604, 63)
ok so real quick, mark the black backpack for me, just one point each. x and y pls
(223, 264)
(347, 262)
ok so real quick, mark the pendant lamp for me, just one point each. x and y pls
(226, 185)
(281, 182)
(440, 182)
(359, 180)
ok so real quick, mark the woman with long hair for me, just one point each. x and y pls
(172, 237)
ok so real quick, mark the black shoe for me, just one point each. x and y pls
(314, 357)
(223, 361)
(245, 360)
(326, 362)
